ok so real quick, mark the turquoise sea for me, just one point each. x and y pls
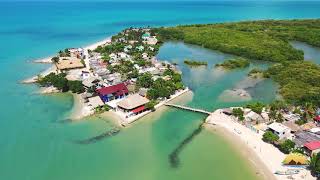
(36, 142)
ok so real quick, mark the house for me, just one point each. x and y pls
(315, 130)
(127, 48)
(95, 102)
(143, 92)
(109, 93)
(146, 36)
(293, 126)
(303, 137)
(133, 104)
(145, 56)
(85, 74)
(123, 55)
(140, 48)
(291, 117)
(253, 116)
(312, 147)
(69, 63)
(227, 111)
(89, 82)
(317, 120)
(76, 52)
(114, 78)
(280, 130)
(151, 41)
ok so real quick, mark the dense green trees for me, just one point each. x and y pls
(145, 80)
(238, 112)
(299, 81)
(55, 59)
(75, 86)
(287, 146)
(234, 63)
(195, 63)
(256, 107)
(262, 40)
(113, 48)
(61, 83)
(314, 164)
(269, 137)
(150, 105)
(160, 88)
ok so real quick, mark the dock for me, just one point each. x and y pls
(188, 108)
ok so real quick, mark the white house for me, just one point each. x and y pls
(279, 129)
(152, 41)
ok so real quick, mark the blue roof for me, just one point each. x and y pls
(146, 35)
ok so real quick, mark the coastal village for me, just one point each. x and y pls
(285, 138)
(122, 75)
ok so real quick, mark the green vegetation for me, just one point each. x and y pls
(150, 105)
(287, 146)
(55, 59)
(269, 137)
(263, 40)
(256, 107)
(161, 88)
(299, 81)
(61, 83)
(256, 73)
(64, 53)
(238, 112)
(314, 164)
(195, 63)
(145, 80)
(234, 63)
(102, 109)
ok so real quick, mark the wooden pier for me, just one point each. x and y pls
(188, 108)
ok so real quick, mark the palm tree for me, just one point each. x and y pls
(314, 163)
(55, 59)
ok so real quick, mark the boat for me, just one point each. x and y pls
(288, 172)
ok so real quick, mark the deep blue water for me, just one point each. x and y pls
(33, 144)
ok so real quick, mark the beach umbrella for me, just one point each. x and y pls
(295, 159)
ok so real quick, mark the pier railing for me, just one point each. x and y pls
(188, 108)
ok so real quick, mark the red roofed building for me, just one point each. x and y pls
(317, 118)
(113, 92)
(133, 104)
(312, 147)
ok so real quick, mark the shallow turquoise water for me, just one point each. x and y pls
(35, 142)
(311, 53)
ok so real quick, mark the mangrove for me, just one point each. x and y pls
(234, 63)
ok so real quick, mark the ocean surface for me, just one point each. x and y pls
(36, 141)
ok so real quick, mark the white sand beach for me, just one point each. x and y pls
(269, 159)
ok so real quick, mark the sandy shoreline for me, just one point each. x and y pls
(47, 60)
(255, 164)
(266, 158)
(222, 126)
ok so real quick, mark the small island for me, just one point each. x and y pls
(234, 63)
(121, 75)
(193, 63)
(256, 73)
